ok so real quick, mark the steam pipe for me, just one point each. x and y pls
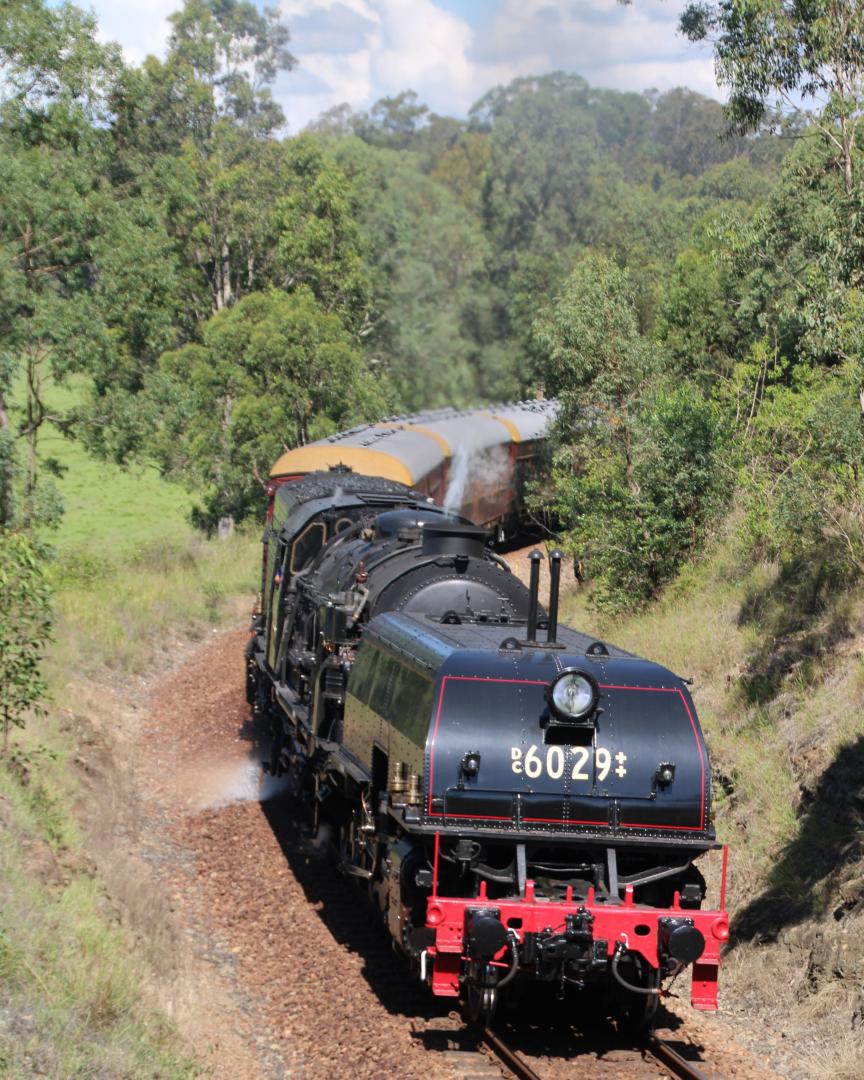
(554, 588)
(533, 593)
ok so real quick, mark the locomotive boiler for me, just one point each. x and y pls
(526, 804)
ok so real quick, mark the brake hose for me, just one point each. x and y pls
(514, 967)
(648, 990)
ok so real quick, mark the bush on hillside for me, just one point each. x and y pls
(25, 629)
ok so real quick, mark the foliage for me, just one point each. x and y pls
(637, 474)
(803, 480)
(25, 629)
(420, 248)
(696, 323)
(597, 363)
(54, 78)
(436, 320)
(801, 258)
(53, 69)
(688, 131)
(273, 354)
(544, 148)
(392, 121)
(223, 55)
(319, 243)
(795, 387)
(784, 48)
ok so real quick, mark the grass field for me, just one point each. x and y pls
(134, 583)
(108, 507)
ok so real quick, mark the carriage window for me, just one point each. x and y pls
(307, 545)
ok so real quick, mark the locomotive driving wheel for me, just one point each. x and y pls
(638, 1012)
(481, 996)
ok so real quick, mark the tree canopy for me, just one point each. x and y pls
(217, 290)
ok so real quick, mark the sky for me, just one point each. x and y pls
(449, 51)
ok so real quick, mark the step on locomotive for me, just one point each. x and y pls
(525, 804)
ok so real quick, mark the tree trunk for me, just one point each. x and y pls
(223, 291)
(629, 471)
(35, 413)
(847, 139)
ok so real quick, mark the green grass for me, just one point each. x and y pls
(70, 1002)
(70, 976)
(107, 508)
(133, 584)
(71, 972)
(119, 614)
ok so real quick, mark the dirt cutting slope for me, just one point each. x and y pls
(326, 993)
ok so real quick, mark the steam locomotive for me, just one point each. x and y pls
(525, 804)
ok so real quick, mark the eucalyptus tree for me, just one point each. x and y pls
(270, 373)
(55, 79)
(789, 50)
(25, 630)
(195, 130)
(636, 473)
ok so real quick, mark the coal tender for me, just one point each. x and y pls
(525, 803)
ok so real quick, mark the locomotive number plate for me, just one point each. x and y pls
(580, 762)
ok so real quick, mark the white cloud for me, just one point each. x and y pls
(402, 44)
(360, 50)
(611, 45)
(141, 26)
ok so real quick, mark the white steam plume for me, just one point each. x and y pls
(477, 475)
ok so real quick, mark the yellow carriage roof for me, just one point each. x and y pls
(361, 459)
(409, 448)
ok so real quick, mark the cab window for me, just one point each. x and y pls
(307, 545)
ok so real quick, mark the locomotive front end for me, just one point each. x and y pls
(567, 796)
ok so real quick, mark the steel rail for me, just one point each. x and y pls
(682, 1068)
(517, 1065)
(653, 1046)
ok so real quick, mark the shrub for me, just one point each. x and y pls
(25, 629)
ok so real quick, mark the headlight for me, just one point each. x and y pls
(572, 696)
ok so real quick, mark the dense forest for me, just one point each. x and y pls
(684, 277)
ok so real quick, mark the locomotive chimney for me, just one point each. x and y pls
(533, 593)
(453, 538)
(554, 588)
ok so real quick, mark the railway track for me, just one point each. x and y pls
(654, 1057)
(663, 1052)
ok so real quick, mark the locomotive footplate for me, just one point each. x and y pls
(550, 938)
